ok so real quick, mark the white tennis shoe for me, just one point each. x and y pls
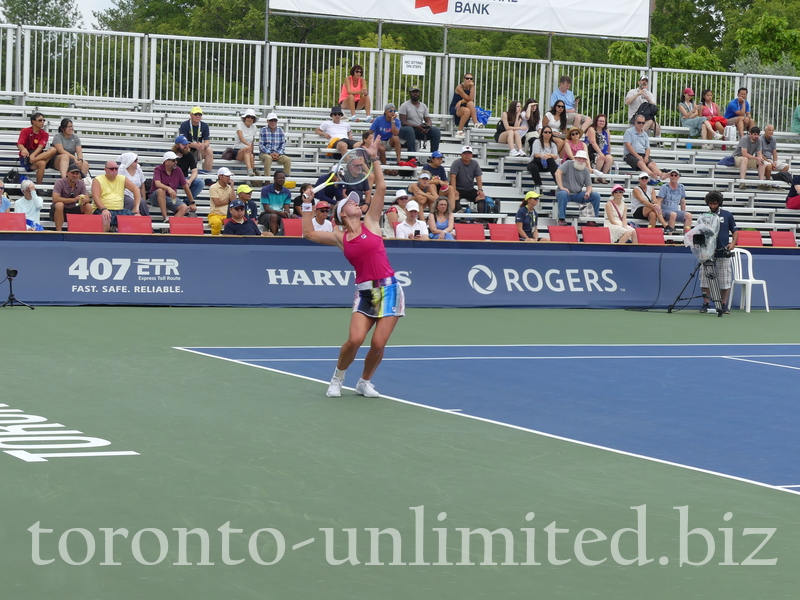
(335, 388)
(365, 388)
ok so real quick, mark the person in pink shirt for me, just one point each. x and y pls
(379, 300)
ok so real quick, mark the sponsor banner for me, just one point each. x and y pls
(224, 272)
(612, 18)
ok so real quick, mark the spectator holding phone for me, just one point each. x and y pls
(412, 228)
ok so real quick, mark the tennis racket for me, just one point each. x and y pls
(354, 167)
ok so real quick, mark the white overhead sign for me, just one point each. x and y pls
(611, 18)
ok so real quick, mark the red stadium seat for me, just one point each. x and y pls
(650, 235)
(186, 226)
(133, 224)
(84, 223)
(506, 232)
(784, 239)
(293, 227)
(562, 233)
(749, 238)
(470, 231)
(596, 235)
(12, 222)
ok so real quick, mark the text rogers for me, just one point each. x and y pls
(555, 280)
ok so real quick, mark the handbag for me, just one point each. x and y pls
(229, 154)
(12, 177)
(483, 115)
(587, 211)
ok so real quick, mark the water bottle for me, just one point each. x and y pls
(616, 169)
(688, 145)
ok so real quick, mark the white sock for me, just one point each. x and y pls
(339, 374)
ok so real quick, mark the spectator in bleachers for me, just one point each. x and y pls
(412, 228)
(636, 98)
(167, 180)
(221, 194)
(616, 218)
(527, 219)
(574, 180)
(645, 204)
(462, 106)
(510, 129)
(305, 194)
(245, 193)
(416, 123)
(424, 192)
(544, 157)
(364, 188)
(276, 203)
(727, 238)
(396, 213)
(437, 171)
(556, 119)
(108, 194)
(792, 198)
(710, 110)
(322, 213)
(5, 203)
(768, 153)
(691, 117)
(332, 192)
(355, 95)
(795, 127)
(637, 150)
(673, 203)
(188, 165)
(129, 167)
(245, 143)
(273, 146)
(598, 141)
(565, 95)
(465, 172)
(573, 145)
(746, 156)
(239, 224)
(441, 222)
(31, 144)
(533, 122)
(68, 149)
(337, 132)
(30, 205)
(196, 131)
(387, 128)
(70, 197)
(738, 112)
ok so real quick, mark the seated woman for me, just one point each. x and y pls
(395, 214)
(68, 150)
(599, 143)
(306, 194)
(31, 205)
(692, 118)
(544, 157)
(510, 129)
(573, 144)
(355, 95)
(462, 106)
(710, 111)
(616, 218)
(534, 122)
(31, 144)
(556, 118)
(129, 167)
(441, 222)
(245, 142)
(645, 204)
(527, 218)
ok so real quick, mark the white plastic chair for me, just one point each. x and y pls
(748, 282)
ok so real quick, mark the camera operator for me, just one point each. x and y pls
(416, 124)
(722, 260)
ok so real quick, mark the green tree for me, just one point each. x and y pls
(45, 13)
(148, 16)
(771, 38)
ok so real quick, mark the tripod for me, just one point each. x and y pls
(12, 301)
(713, 286)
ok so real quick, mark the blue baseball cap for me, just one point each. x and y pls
(237, 203)
(436, 154)
(181, 139)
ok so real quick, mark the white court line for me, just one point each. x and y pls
(788, 486)
(508, 425)
(514, 346)
(634, 356)
(761, 362)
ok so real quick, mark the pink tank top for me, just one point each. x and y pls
(354, 87)
(367, 254)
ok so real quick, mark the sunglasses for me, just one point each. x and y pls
(112, 168)
(324, 210)
(40, 120)
(640, 122)
(391, 110)
(359, 71)
(337, 114)
(575, 133)
(237, 208)
(468, 78)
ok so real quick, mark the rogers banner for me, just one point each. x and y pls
(613, 18)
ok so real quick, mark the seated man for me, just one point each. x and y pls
(768, 154)
(746, 156)
(637, 150)
(673, 203)
(412, 228)
(722, 264)
(108, 193)
(221, 194)
(188, 164)
(387, 128)
(438, 174)
(416, 123)
(276, 202)
(198, 136)
(638, 96)
(333, 192)
(424, 192)
(239, 224)
(167, 180)
(272, 143)
(70, 197)
(31, 144)
(245, 193)
(572, 177)
(464, 172)
(321, 220)
(565, 95)
(738, 112)
(337, 132)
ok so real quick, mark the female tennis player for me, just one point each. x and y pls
(379, 298)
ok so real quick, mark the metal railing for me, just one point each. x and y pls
(101, 67)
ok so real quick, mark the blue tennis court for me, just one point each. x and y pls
(727, 409)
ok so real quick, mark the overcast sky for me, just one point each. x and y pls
(87, 6)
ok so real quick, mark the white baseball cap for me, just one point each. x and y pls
(272, 116)
(400, 194)
(224, 171)
(424, 175)
(412, 205)
(169, 155)
(582, 154)
(466, 149)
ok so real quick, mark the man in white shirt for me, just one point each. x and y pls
(638, 96)
(321, 220)
(336, 129)
(412, 228)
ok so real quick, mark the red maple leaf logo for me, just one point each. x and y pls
(436, 6)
